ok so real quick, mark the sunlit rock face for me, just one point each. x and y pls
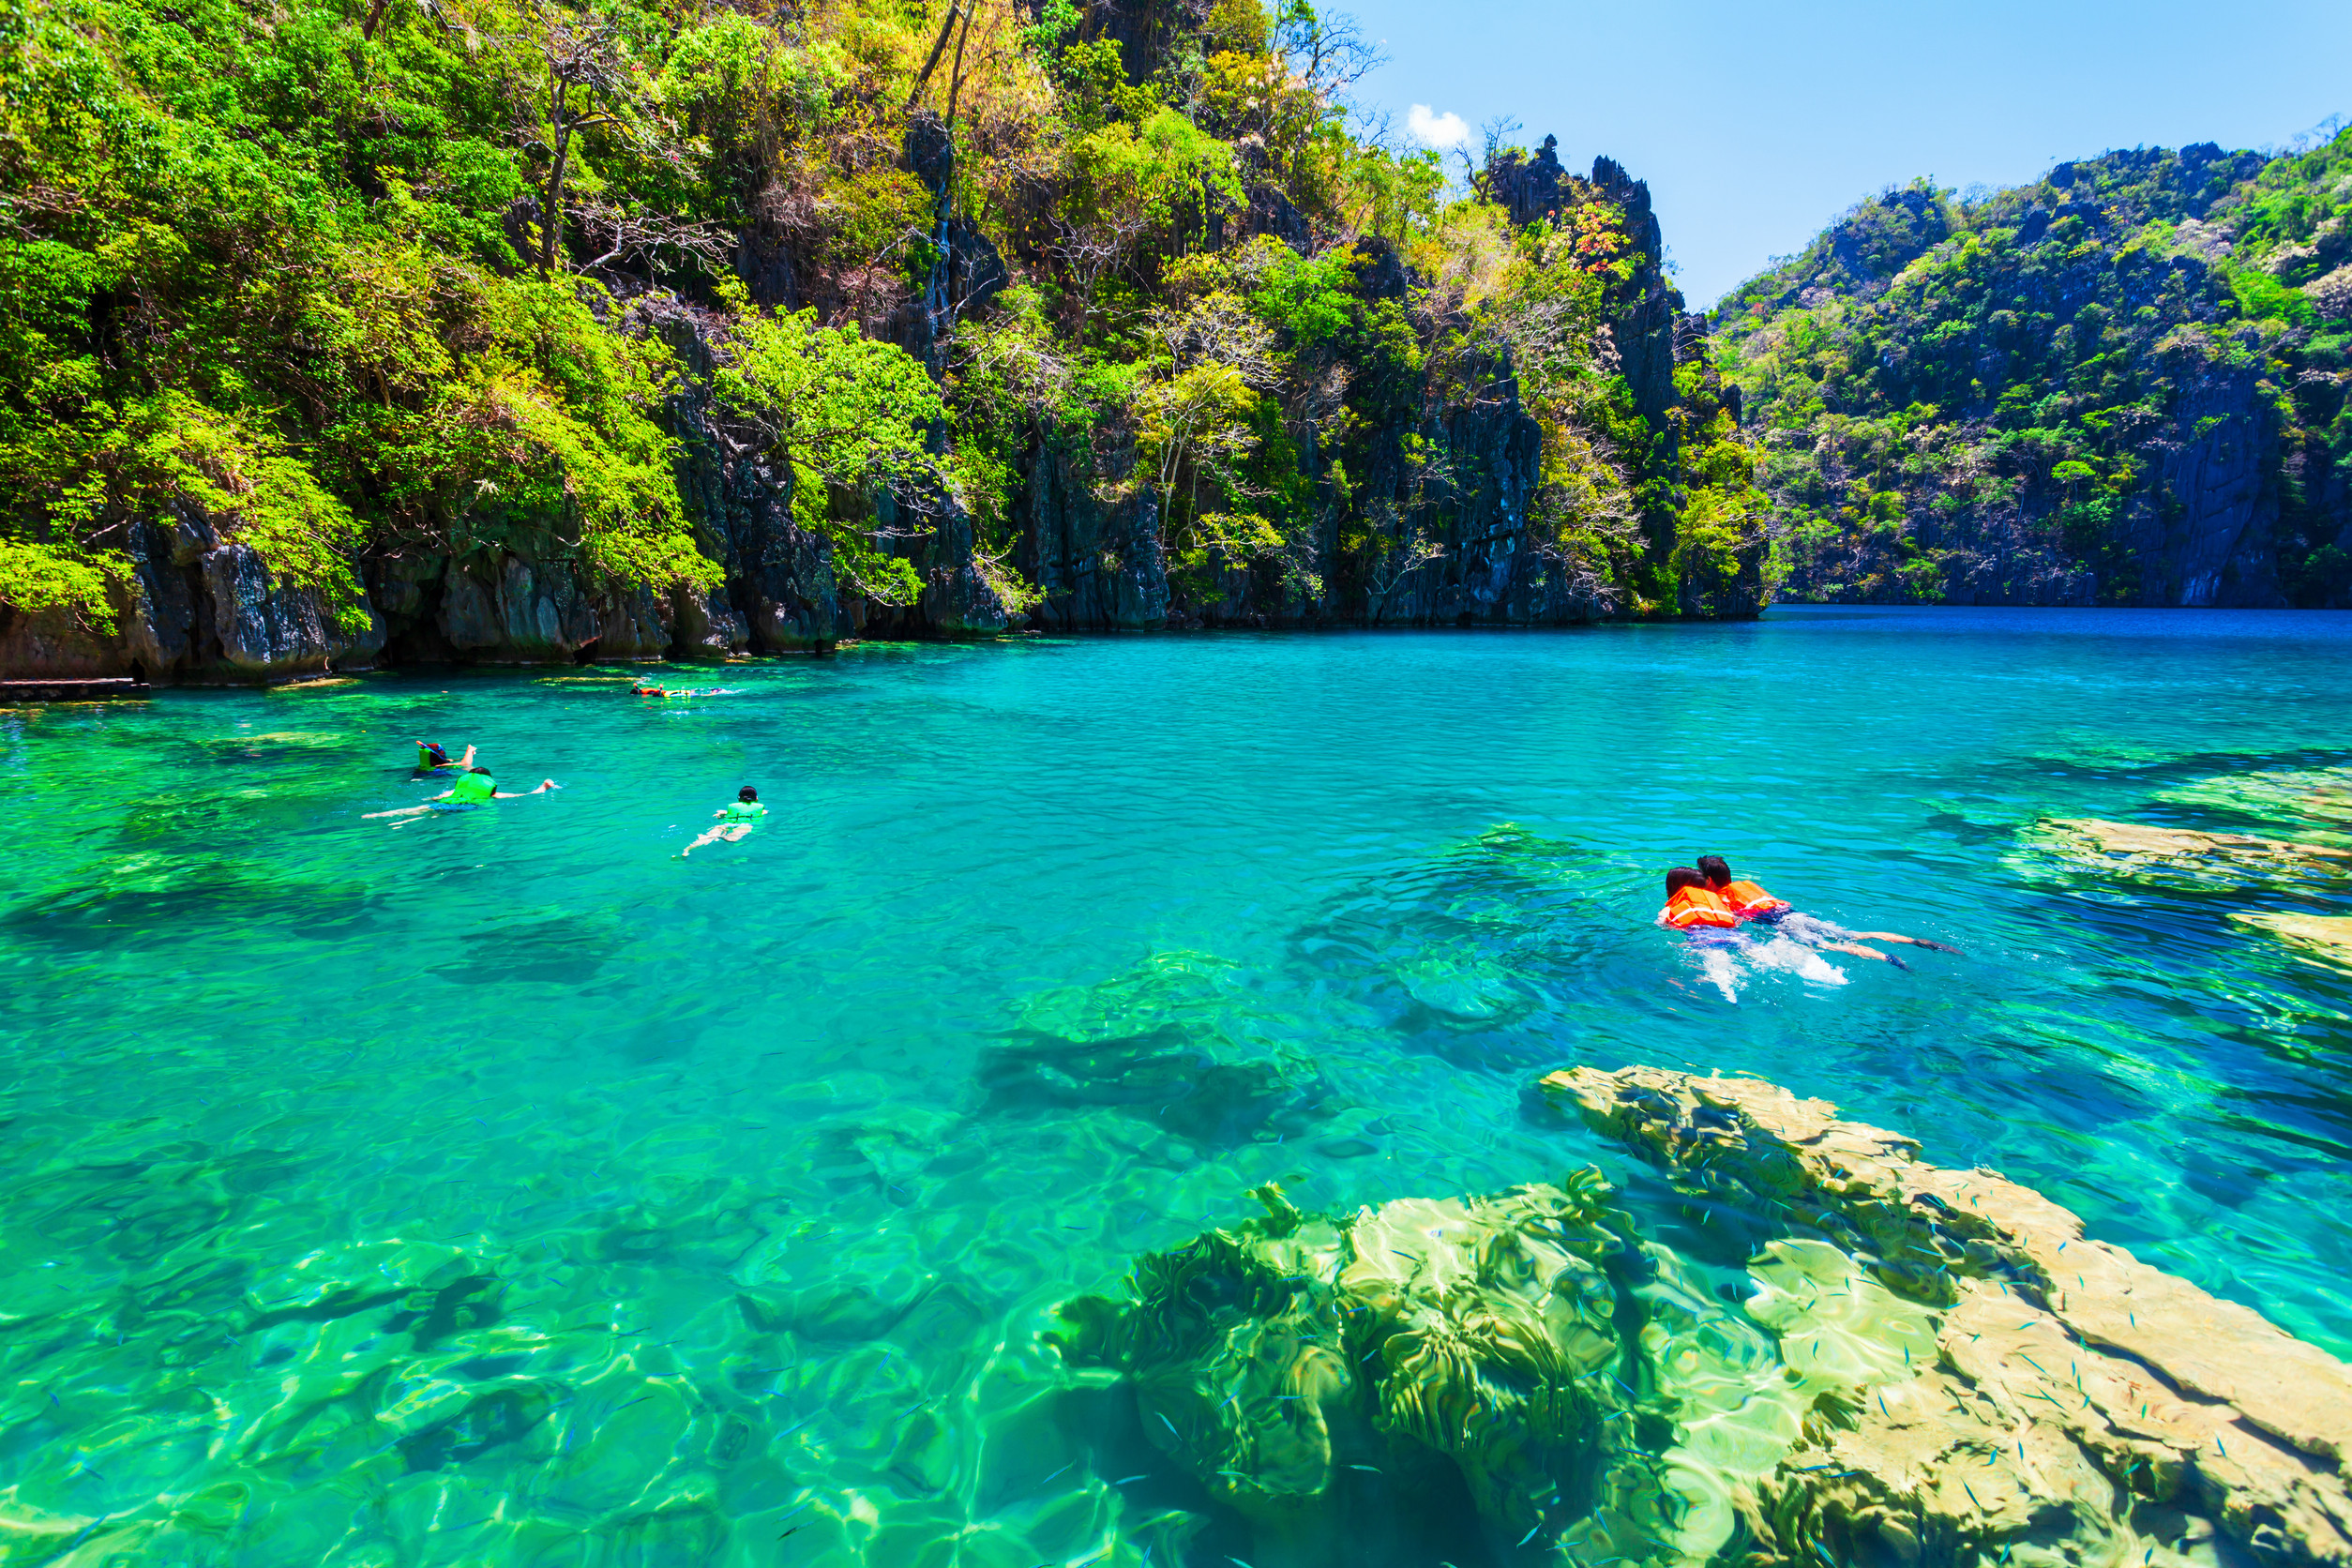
(2078, 1406)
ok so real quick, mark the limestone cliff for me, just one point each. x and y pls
(1461, 548)
(1270, 379)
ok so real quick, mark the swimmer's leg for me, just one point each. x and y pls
(1915, 941)
(731, 832)
(1859, 951)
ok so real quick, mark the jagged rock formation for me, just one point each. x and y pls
(1652, 337)
(457, 447)
(197, 608)
(1099, 564)
(2079, 1405)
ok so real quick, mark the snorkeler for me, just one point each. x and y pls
(1701, 912)
(1749, 902)
(1693, 906)
(736, 818)
(474, 786)
(434, 758)
(688, 691)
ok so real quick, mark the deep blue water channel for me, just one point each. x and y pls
(500, 1189)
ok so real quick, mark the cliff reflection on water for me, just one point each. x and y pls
(502, 1189)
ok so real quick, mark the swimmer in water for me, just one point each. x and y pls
(737, 817)
(1749, 902)
(434, 758)
(1712, 925)
(688, 691)
(474, 786)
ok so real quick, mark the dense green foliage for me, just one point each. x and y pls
(338, 279)
(257, 276)
(2046, 374)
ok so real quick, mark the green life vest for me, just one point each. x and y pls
(472, 789)
(745, 810)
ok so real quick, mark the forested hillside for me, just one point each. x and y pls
(2121, 384)
(509, 330)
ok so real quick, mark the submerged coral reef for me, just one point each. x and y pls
(1528, 1349)
(2128, 847)
(1929, 1366)
(2324, 938)
(2079, 1405)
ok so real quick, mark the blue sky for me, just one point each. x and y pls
(1757, 124)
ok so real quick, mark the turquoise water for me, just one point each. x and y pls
(500, 1189)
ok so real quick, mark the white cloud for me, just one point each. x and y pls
(1437, 131)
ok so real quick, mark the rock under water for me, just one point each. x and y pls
(1929, 1366)
(2079, 1405)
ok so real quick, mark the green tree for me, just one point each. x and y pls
(844, 411)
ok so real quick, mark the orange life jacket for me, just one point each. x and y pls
(1694, 907)
(1749, 900)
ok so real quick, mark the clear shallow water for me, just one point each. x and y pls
(501, 1189)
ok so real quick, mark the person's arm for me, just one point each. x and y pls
(545, 785)
(467, 761)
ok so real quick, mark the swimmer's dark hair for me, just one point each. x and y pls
(483, 771)
(1714, 868)
(747, 792)
(1681, 878)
